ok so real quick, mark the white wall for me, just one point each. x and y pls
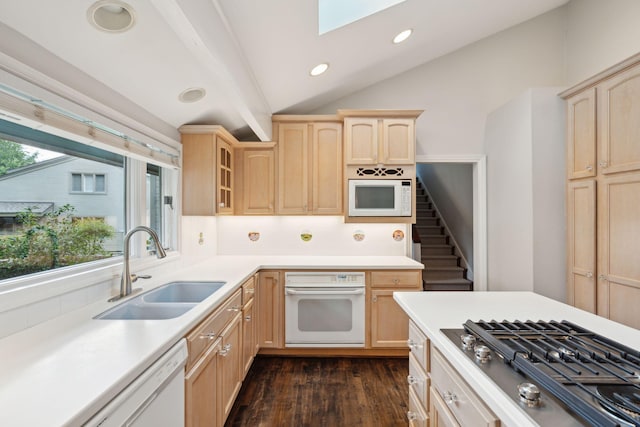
(525, 192)
(600, 34)
(459, 90)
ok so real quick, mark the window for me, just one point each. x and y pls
(88, 183)
(46, 220)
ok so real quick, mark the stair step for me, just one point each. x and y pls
(429, 230)
(431, 261)
(448, 285)
(438, 273)
(424, 213)
(434, 240)
(431, 221)
(427, 250)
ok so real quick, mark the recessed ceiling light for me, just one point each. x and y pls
(402, 36)
(319, 69)
(192, 94)
(112, 16)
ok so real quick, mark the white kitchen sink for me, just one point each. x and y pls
(165, 302)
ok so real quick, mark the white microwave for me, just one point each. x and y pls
(380, 197)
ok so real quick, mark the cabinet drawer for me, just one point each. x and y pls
(417, 415)
(418, 381)
(461, 401)
(399, 278)
(210, 329)
(419, 346)
(248, 290)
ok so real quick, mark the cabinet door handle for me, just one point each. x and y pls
(589, 275)
(412, 344)
(602, 277)
(248, 318)
(224, 351)
(411, 380)
(603, 164)
(589, 168)
(234, 308)
(208, 336)
(449, 397)
(412, 416)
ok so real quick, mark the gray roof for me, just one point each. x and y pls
(13, 208)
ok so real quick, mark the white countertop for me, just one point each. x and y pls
(432, 311)
(61, 372)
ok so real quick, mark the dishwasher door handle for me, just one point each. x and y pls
(359, 291)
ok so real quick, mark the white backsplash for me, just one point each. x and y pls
(280, 235)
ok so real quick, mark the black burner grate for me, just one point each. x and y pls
(561, 356)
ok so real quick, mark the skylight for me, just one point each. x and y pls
(334, 14)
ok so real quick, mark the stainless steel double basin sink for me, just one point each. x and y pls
(164, 302)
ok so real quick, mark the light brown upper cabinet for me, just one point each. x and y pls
(619, 122)
(309, 169)
(379, 137)
(255, 183)
(603, 193)
(207, 175)
(581, 135)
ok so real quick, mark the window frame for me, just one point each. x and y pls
(82, 180)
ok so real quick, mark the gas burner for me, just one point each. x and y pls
(624, 397)
(557, 371)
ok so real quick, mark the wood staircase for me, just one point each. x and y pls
(442, 266)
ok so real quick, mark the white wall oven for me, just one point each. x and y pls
(324, 309)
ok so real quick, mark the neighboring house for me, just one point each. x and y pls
(88, 186)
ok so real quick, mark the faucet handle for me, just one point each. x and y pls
(135, 277)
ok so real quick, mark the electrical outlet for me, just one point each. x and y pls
(201, 238)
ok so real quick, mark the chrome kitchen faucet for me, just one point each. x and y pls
(128, 278)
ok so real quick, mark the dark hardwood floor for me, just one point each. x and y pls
(335, 392)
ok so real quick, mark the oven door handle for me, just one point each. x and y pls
(359, 291)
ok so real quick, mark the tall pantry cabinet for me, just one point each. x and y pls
(603, 193)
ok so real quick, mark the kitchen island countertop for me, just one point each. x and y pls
(61, 372)
(432, 311)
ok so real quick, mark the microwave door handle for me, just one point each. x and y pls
(333, 292)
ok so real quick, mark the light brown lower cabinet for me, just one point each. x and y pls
(249, 343)
(201, 409)
(270, 310)
(230, 369)
(440, 416)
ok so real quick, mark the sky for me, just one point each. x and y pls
(42, 154)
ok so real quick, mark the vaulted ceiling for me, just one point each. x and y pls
(251, 56)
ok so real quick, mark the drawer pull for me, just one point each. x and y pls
(412, 416)
(411, 380)
(396, 281)
(234, 308)
(413, 345)
(449, 397)
(225, 350)
(248, 318)
(250, 291)
(209, 336)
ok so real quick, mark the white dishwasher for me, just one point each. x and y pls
(155, 398)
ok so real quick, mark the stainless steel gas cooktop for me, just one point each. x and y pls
(559, 373)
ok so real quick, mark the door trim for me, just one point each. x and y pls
(479, 163)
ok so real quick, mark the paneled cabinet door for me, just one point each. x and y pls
(198, 174)
(581, 135)
(619, 246)
(361, 141)
(248, 336)
(619, 122)
(389, 323)
(581, 244)
(258, 188)
(230, 372)
(326, 181)
(293, 168)
(398, 141)
(270, 295)
(201, 394)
